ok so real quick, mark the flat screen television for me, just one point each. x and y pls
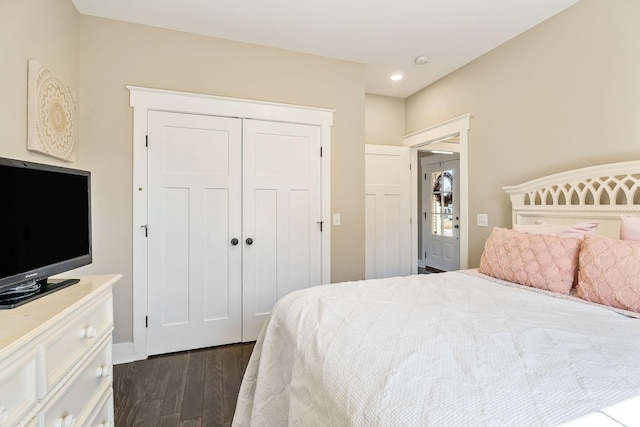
(45, 227)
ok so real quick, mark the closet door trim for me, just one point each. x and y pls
(144, 100)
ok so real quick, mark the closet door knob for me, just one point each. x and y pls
(234, 241)
(249, 241)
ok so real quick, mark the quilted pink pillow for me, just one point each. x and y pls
(537, 260)
(630, 228)
(610, 272)
(576, 231)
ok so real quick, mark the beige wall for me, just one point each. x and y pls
(114, 54)
(33, 29)
(98, 57)
(384, 120)
(563, 95)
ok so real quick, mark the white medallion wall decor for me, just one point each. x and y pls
(51, 114)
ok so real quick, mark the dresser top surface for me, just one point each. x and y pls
(18, 323)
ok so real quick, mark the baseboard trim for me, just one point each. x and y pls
(123, 353)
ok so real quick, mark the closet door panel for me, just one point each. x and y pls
(282, 160)
(300, 266)
(194, 211)
(265, 253)
(175, 247)
(216, 252)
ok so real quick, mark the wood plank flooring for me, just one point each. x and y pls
(194, 388)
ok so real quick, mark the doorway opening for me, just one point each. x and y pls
(439, 202)
(449, 138)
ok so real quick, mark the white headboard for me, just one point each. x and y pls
(602, 193)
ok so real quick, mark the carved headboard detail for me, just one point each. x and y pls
(601, 193)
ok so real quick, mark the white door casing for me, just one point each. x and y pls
(145, 100)
(387, 211)
(440, 230)
(282, 216)
(194, 212)
(430, 139)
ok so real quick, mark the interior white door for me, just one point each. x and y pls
(194, 213)
(441, 214)
(281, 216)
(387, 211)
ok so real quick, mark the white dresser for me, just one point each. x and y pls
(55, 358)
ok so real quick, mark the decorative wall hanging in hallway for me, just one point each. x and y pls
(51, 121)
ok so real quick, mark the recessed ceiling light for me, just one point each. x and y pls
(421, 60)
(396, 76)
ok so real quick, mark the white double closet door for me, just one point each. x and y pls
(233, 210)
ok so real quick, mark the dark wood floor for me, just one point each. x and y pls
(191, 388)
(428, 270)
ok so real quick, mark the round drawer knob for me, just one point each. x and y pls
(4, 415)
(88, 332)
(91, 331)
(67, 421)
(103, 371)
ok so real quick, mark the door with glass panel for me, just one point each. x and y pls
(441, 213)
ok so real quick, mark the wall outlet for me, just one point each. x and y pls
(336, 219)
(482, 220)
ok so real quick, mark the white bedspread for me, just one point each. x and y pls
(440, 350)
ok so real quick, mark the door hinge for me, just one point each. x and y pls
(146, 140)
(146, 230)
(425, 254)
(320, 151)
(146, 321)
(409, 166)
(321, 222)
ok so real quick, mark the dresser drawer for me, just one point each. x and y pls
(92, 380)
(66, 346)
(18, 393)
(103, 417)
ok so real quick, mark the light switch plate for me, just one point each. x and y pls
(336, 219)
(482, 220)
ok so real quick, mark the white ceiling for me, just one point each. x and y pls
(384, 35)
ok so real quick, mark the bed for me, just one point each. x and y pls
(555, 345)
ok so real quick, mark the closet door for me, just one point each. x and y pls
(194, 213)
(281, 216)
(387, 211)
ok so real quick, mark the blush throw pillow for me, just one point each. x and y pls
(537, 260)
(609, 272)
(630, 228)
(576, 231)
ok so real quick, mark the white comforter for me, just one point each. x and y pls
(440, 350)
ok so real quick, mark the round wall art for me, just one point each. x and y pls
(51, 114)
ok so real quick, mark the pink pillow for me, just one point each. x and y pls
(576, 231)
(630, 228)
(537, 260)
(610, 272)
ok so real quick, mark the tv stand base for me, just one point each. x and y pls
(47, 286)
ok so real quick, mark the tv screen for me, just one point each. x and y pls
(45, 221)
